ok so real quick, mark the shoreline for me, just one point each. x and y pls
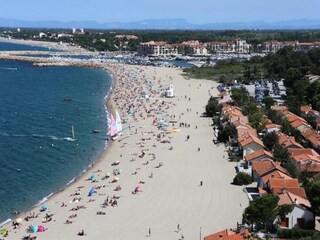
(108, 143)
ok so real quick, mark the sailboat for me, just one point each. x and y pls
(118, 123)
(113, 127)
(72, 133)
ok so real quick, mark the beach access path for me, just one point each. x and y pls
(173, 195)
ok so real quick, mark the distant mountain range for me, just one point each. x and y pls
(164, 24)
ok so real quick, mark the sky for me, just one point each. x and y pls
(195, 11)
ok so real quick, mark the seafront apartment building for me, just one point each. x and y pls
(275, 46)
(193, 47)
(153, 48)
(236, 46)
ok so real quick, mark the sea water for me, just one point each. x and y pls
(38, 106)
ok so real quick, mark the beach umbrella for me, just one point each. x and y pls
(92, 176)
(108, 174)
(34, 229)
(137, 188)
(91, 192)
(18, 220)
(44, 208)
(4, 231)
(41, 229)
(116, 179)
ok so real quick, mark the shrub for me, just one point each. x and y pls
(296, 233)
(242, 179)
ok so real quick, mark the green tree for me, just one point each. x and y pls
(212, 107)
(280, 154)
(242, 179)
(268, 102)
(313, 192)
(226, 132)
(270, 140)
(262, 211)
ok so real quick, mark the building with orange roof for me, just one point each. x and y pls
(243, 133)
(278, 108)
(250, 144)
(242, 119)
(257, 156)
(229, 235)
(272, 127)
(276, 173)
(306, 159)
(300, 215)
(312, 137)
(265, 169)
(160, 48)
(287, 141)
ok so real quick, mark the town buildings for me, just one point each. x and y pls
(193, 47)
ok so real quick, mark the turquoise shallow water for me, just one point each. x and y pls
(36, 154)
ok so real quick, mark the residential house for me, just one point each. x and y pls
(306, 159)
(265, 169)
(286, 141)
(257, 156)
(250, 144)
(229, 235)
(279, 185)
(271, 127)
(300, 216)
(312, 137)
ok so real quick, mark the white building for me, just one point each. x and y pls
(153, 48)
(236, 46)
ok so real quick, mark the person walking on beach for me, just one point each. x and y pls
(178, 227)
(149, 232)
(201, 183)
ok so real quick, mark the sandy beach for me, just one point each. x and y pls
(180, 182)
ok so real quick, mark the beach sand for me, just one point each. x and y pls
(173, 195)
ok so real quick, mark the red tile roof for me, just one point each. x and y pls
(251, 139)
(228, 235)
(275, 175)
(272, 125)
(257, 154)
(280, 183)
(291, 198)
(288, 141)
(266, 165)
(244, 133)
(305, 108)
(220, 235)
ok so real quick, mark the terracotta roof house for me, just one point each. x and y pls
(300, 216)
(280, 185)
(272, 127)
(244, 133)
(243, 119)
(275, 174)
(279, 108)
(266, 169)
(251, 144)
(306, 159)
(312, 137)
(286, 141)
(257, 156)
(305, 109)
(299, 124)
(228, 235)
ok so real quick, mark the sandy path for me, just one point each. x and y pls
(173, 196)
